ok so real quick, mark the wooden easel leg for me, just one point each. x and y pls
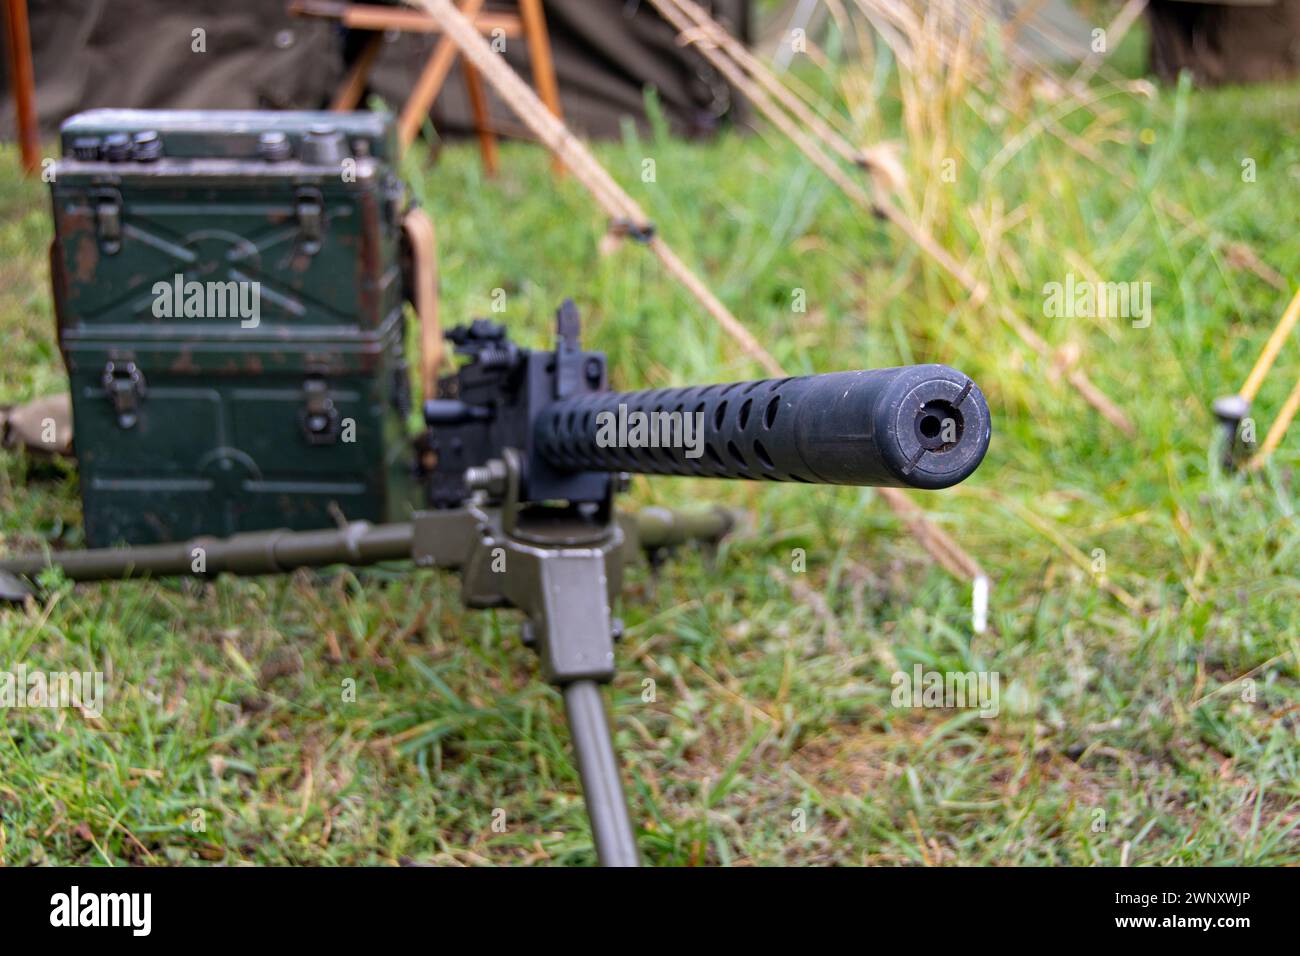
(430, 82)
(24, 84)
(539, 57)
(487, 140)
(349, 94)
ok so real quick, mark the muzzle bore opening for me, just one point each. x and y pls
(939, 425)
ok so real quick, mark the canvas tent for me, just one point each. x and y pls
(249, 54)
(1044, 30)
(1248, 41)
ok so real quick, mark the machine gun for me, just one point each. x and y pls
(525, 453)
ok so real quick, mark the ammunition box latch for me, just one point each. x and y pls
(319, 417)
(108, 220)
(310, 208)
(125, 387)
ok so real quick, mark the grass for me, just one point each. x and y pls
(1159, 731)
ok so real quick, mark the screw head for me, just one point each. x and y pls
(489, 477)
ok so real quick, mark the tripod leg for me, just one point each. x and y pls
(606, 806)
(562, 575)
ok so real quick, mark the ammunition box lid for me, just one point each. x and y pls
(201, 353)
(316, 137)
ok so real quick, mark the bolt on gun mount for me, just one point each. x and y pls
(524, 454)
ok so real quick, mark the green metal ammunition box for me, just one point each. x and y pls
(228, 288)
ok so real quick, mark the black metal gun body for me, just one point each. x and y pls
(918, 426)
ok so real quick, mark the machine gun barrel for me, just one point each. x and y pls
(917, 426)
